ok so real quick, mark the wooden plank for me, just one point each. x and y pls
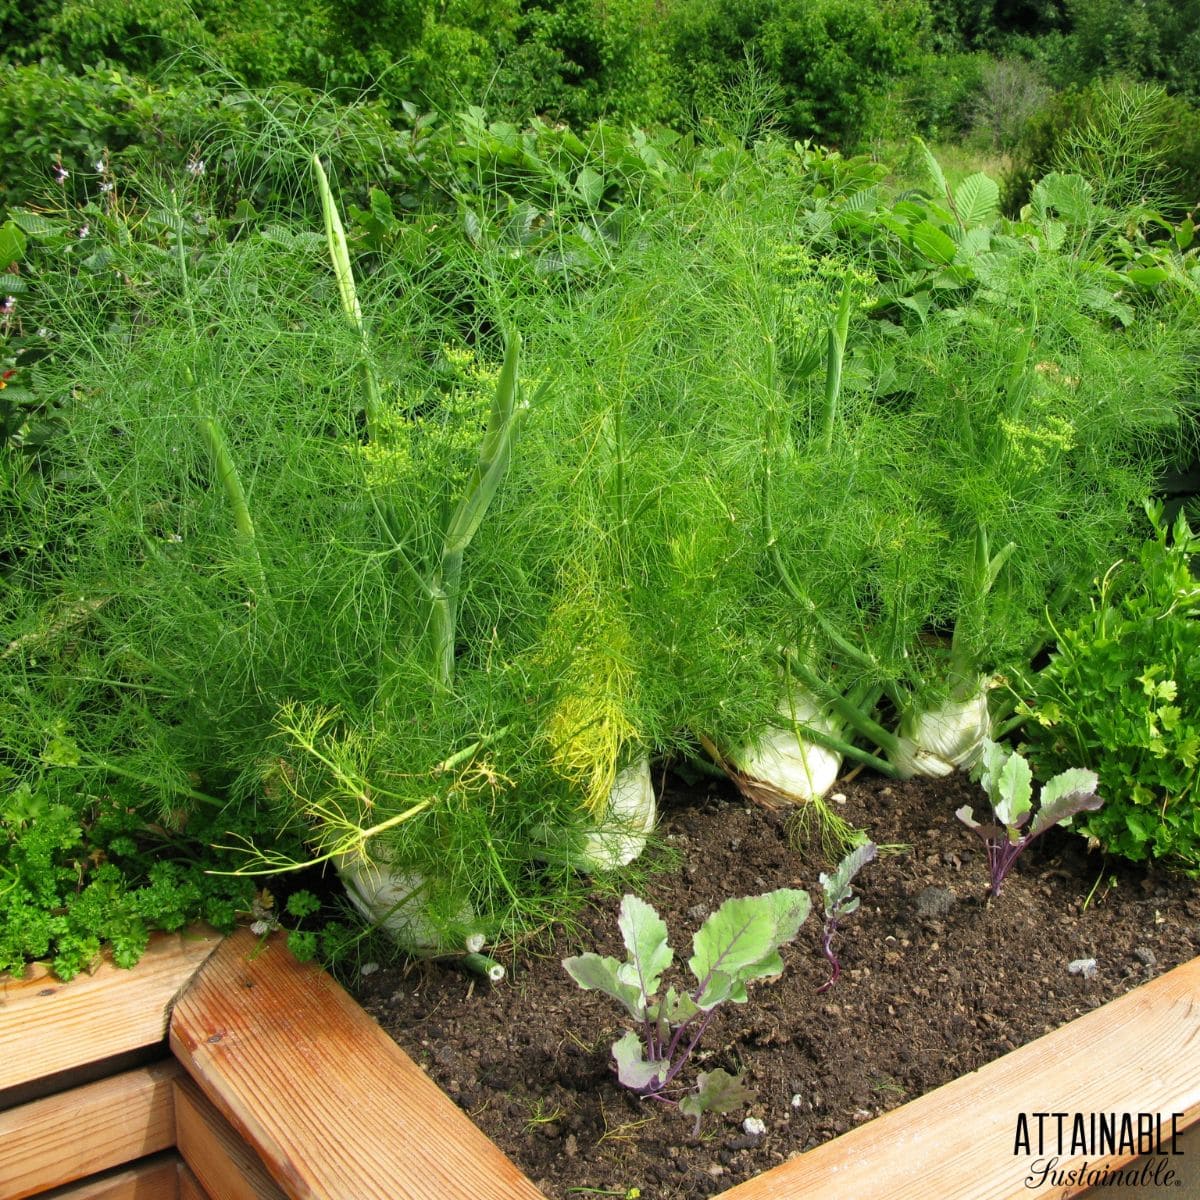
(1186, 1181)
(155, 1179)
(88, 1129)
(47, 1025)
(1138, 1054)
(64, 1081)
(189, 1185)
(333, 1106)
(222, 1164)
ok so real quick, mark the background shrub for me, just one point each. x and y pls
(1011, 91)
(936, 99)
(50, 117)
(1137, 142)
(583, 59)
(1154, 40)
(835, 62)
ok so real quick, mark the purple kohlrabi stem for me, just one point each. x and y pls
(677, 1064)
(654, 1048)
(827, 949)
(657, 1052)
(671, 1054)
(1001, 856)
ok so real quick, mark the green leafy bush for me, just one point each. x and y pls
(63, 136)
(936, 98)
(440, 54)
(834, 61)
(1137, 143)
(1119, 696)
(582, 60)
(140, 35)
(1153, 40)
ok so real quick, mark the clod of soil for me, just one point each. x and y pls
(937, 981)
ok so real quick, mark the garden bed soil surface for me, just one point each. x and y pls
(937, 981)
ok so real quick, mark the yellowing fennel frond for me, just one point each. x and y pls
(590, 728)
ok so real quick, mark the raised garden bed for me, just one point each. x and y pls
(295, 1092)
(337, 1111)
(86, 1077)
(285, 1087)
(938, 982)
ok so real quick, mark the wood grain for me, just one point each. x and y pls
(47, 1025)
(86, 1130)
(333, 1106)
(1186, 1182)
(155, 1179)
(1138, 1054)
(223, 1165)
(189, 1185)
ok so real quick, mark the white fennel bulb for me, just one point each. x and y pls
(938, 741)
(793, 768)
(629, 815)
(398, 902)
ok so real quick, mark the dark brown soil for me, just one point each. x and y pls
(937, 981)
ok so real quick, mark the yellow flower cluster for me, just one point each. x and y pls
(439, 432)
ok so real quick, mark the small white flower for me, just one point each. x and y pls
(105, 188)
(99, 166)
(61, 174)
(10, 302)
(195, 167)
(83, 231)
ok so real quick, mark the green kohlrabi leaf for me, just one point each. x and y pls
(645, 937)
(966, 815)
(1008, 782)
(678, 1007)
(633, 1070)
(740, 942)
(837, 885)
(1016, 792)
(1073, 791)
(717, 1091)
(602, 974)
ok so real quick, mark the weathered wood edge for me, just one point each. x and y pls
(75, 1134)
(1137, 1054)
(222, 1164)
(47, 1026)
(333, 1107)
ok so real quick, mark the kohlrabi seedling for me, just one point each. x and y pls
(736, 944)
(840, 902)
(1007, 779)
